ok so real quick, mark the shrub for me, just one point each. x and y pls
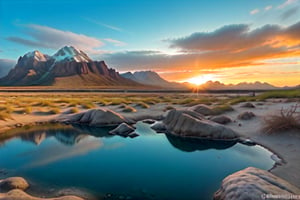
(54, 111)
(287, 119)
(4, 116)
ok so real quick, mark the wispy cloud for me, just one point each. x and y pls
(287, 3)
(115, 28)
(255, 11)
(38, 36)
(48, 37)
(267, 8)
(289, 13)
(115, 42)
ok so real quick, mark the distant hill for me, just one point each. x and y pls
(152, 78)
(216, 85)
(5, 66)
(68, 67)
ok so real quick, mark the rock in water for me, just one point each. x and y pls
(222, 119)
(246, 115)
(123, 130)
(202, 109)
(251, 184)
(97, 117)
(13, 183)
(181, 123)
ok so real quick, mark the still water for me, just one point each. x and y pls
(151, 166)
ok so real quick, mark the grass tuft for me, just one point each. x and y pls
(287, 119)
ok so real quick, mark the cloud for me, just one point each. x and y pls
(255, 11)
(47, 37)
(5, 66)
(115, 42)
(115, 28)
(287, 3)
(235, 45)
(267, 8)
(289, 13)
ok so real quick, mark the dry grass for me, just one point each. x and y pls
(129, 109)
(54, 111)
(4, 116)
(287, 119)
(74, 110)
(142, 105)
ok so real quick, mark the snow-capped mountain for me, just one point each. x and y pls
(151, 78)
(70, 53)
(68, 67)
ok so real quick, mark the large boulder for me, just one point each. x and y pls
(182, 123)
(97, 117)
(202, 109)
(251, 184)
(13, 183)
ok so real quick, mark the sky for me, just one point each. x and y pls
(229, 41)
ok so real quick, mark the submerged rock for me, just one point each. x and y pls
(148, 121)
(202, 109)
(253, 183)
(181, 123)
(159, 127)
(97, 117)
(246, 115)
(17, 194)
(222, 119)
(13, 183)
(122, 130)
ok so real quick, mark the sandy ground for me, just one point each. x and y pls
(285, 144)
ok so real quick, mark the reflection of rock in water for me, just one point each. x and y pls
(95, 131)
(189, 144)
(35, 137)
(69, 137)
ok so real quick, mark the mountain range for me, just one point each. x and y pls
(152, 78)
(68, 67)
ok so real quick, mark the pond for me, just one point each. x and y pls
(151, 166)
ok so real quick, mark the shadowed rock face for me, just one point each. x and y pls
(191, 124)
(97, 117)
(253, 183)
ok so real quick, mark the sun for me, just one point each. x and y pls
(199, 80)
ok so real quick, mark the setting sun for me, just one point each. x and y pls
(198, 80)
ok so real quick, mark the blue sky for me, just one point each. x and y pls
(106, 29)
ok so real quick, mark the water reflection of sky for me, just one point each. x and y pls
(151, 164)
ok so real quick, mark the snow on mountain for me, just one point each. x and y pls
(70, 53)
(36, 55)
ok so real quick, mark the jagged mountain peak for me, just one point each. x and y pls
(36, 55)
(70, 53)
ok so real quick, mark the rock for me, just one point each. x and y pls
(246, 115)
(133, 135)
(179, 122)
(247, 142)
(159, 126)
(97, 117)
(247, 105)
(252, 183)
(202, 109)
(17, 194)
(13, 183)
(222, 119)
(149, 121)
(122, 130)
